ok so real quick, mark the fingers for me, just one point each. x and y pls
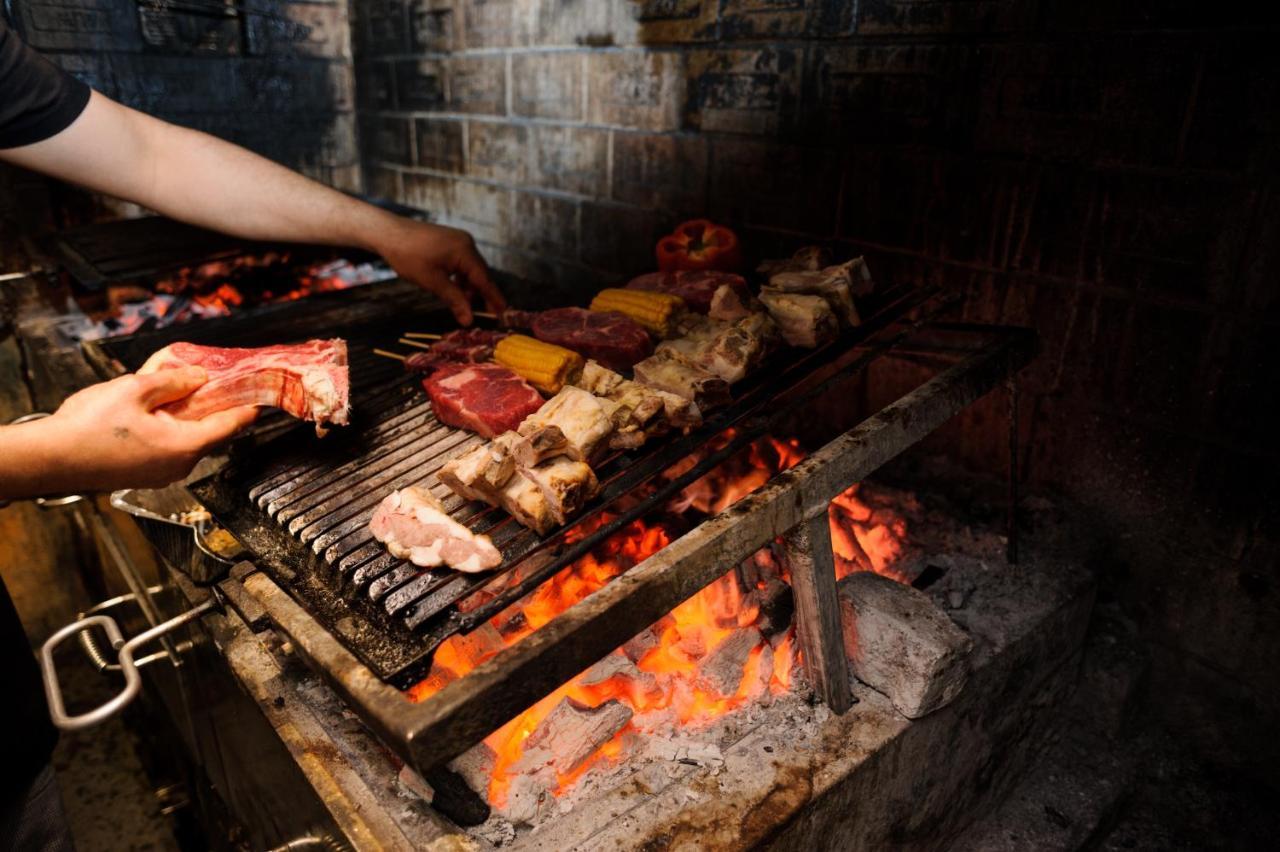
(210, 431)
(451, 294)
(472, 267)
(156, 389)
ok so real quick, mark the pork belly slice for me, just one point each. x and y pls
(668, 372)
(413, 525)
(803, 320)
(482, 472)
(585, 420)
(566, 486)
(308, 380)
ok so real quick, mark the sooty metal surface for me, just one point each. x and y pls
(301, 504)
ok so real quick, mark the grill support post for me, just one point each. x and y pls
(818, 624)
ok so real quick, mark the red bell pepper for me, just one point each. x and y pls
(699, 244)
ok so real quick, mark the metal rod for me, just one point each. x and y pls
(385, 354)
(1011, 547)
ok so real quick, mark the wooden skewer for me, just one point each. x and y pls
(385, 354)
(484, 315)
(423, 335)
(417, 343)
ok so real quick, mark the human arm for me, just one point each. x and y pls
(197, 178)
(111, 436)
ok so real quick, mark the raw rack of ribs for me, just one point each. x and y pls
(308, 380)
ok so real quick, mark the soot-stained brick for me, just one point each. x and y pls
(432, 25)
(569, 159)
(743, 91)
(478, 84)
(439, 144)
(660, 170)
(497, 151)
(545, 225)
(420, 84)
(633, 88)
(547, 85)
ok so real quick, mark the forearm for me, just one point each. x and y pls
(28, 462)
(197, 178)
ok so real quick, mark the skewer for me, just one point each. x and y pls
(385, 354)
(484, 315)
(423, 335)
(417, 343)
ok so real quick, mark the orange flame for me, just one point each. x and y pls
(665, 676)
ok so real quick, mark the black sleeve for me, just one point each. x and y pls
(37, 98)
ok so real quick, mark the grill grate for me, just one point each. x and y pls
(301, 505)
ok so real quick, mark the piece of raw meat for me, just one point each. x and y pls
(488, 399)
(413, 525)
(308, 380)
(613, 339)
(462, 346)
(697, 288)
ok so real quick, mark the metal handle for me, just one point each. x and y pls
(126, 664)
(100, 658)
(45, 502)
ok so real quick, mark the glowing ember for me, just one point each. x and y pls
(711, 655)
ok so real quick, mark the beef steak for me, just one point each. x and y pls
(611, 338)
(697, 288)
(485, 398)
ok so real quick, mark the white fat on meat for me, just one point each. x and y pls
(585, 420)
(804, 320)
(481, 472)
(413, 525)
(566, 486)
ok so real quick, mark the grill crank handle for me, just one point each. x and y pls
(125, 663)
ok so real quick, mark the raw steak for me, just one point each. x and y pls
(486, 398)
(413, 525)
(308, 380)
(696, 288)
(611, 338)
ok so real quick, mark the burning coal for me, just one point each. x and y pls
(730, 644)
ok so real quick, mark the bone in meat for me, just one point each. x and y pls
(585, 419)
(835, 284)
(566, 485)
(480, 473)
(669, 372)
(524, 501)
(732, 303)
(308, 380)
(413, 525)
(730, 350)
(804, 320)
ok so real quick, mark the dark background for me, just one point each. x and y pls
(1104, 172)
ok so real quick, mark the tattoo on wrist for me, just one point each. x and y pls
(120, 432)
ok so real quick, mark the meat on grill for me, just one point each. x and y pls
(583, 421)
(613, 339)
(462, 346)
(668, 372)
(649, 411)
(413, 525)
(564, 484)
(804, 320)
(806, 259)
(481, 472)
(728, 349)
(697, 288)
(837, 284)
(308, 380)
(486, 398)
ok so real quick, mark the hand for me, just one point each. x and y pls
(111, 436)
(429, 255)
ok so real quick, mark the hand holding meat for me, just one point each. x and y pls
(443, 261)
(111, 436)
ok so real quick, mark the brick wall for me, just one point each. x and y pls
(278, 81)
(1105, 172)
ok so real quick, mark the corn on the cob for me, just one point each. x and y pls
(544, 365)
(653, 310)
